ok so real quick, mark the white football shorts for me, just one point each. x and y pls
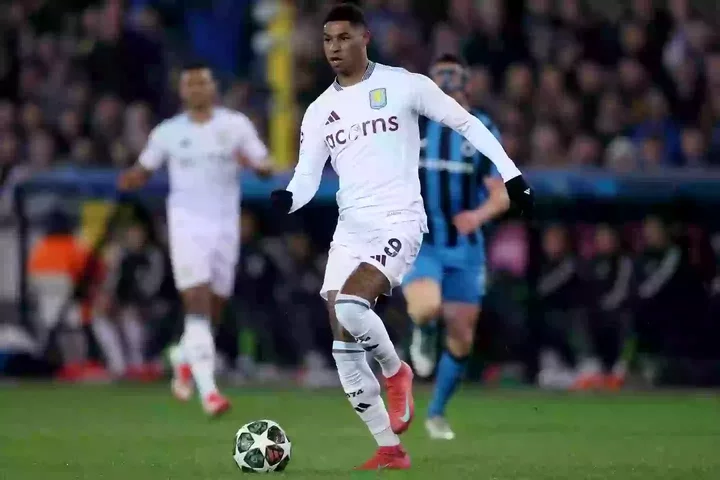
(204, 251)
(392, 250)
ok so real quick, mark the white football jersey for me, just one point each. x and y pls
(370, 133)
(203, 161)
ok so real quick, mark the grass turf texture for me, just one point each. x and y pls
(141, 433)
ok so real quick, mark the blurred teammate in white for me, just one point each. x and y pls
(205, 148)
(367, 123)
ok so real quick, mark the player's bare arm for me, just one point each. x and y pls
(264, 169)
(133, 178)
(251, 152)
(498, 202)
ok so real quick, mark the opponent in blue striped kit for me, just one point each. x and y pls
(461, 190)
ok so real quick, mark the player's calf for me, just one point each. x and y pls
(198, 346)
(460, 320)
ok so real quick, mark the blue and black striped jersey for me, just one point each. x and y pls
(451, 179)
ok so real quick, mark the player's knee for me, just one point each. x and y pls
(423, 311)
(349, 310)
(459, 345)
(424, 301)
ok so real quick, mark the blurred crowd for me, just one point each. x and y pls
(570, 84)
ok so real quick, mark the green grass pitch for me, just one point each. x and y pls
(141, 433)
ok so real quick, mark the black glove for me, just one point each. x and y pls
(521, 195)
(281, 201)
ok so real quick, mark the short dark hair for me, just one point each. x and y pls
(195, 65)
(450, 58)
(346, 12)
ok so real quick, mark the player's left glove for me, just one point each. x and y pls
(521, 195)
(281, 201)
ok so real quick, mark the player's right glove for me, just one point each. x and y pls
(521, 195)
(281, 201)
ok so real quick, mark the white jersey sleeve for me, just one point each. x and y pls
(248, 143)
(155, 152)
(311, 160)
(430, 101)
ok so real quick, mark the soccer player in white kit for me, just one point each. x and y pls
(205, 148)
(367, 123)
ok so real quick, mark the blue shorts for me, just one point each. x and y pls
(460, 271)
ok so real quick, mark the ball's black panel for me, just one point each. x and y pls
(273, 454)
(283, 464)
(276, 435)
(244, 442)
(258, 428)
(247, 470)
(255, 458)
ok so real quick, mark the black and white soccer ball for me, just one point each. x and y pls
(261, 446)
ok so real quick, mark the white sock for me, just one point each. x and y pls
(363, 391)
(199, 347)
(357, 317)
(108, 338)
(134, 333)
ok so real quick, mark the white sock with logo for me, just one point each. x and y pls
(362, 389)
(199, 347)
(357, 317)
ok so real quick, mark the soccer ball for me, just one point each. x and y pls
(261, 446)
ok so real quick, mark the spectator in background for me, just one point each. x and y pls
(32, 120)
(82, 153)
(546, 148)
(633, 82)
(667, 291)
(550, 92)
(138, 292)
(40, 151)
(302, 279)
(621, 156)
(256, 310)
(653, 152)
(7, 117)
(611, 119)
(62, 273)
(557, 290)
(590, 79)
(585, 151)
(69, 130)
(693, 147)
(609, 278)
(137, 125)
(659, 125)
(106, 123)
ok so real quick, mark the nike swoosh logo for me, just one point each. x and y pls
(406, 416)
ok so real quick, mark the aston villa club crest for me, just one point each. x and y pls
(378, 98)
